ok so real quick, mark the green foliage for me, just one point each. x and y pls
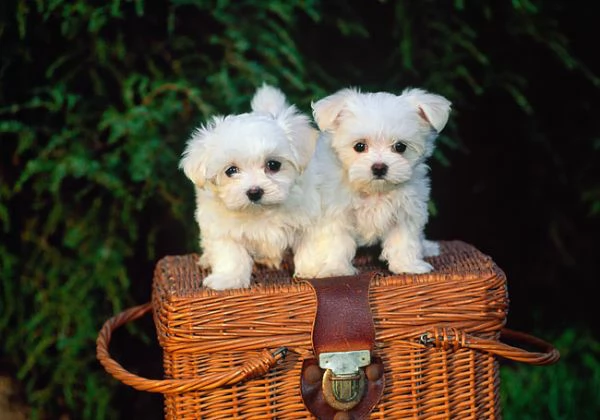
(566, 390)
(97, 99)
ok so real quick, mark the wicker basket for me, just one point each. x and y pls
(438, 336)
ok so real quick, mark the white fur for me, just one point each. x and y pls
(236, 231)
(358, 208)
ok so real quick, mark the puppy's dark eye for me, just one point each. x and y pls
(231, 171)
(360, 147)
(273, 165)
(399, 147)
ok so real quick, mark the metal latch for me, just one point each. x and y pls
(344, 380)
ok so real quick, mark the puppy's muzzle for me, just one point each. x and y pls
(255, 194)
(379, 170)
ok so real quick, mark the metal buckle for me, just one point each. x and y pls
(344, 381)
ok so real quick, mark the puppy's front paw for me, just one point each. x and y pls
(430, 248)
(203, 261)
(315, 272)
(415, 267)
(220, 281)
(342, 270)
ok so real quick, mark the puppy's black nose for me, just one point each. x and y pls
(379, 169)
(255, 193)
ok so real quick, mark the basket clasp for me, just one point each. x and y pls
(344, 380)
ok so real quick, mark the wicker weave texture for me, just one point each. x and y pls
(431, 332)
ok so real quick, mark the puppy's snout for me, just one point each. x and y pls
(379, 169)
(255, 193)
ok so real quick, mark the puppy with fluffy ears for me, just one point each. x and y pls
(375, 184)
(255, 187)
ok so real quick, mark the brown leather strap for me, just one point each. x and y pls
(343, 321)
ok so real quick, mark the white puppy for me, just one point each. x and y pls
(255, 189)
(374, 180)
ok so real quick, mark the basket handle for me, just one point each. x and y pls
(257, 366)
(447, 337)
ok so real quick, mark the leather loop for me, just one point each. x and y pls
(343, 323)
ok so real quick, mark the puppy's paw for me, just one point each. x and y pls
(203, 261)
(430, 248)
(313, 272)
(220, 281)
(414, 267)
(345, 270)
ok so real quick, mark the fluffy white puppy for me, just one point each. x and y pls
(374, 180)
(255, 189)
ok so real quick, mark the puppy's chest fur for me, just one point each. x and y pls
(268, 230)
(265, 232)
(373, 216)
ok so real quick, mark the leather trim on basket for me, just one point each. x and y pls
(343, 323)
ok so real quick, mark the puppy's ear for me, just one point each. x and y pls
(329, 110)
(269, 100)
(434, 109)
(195, 157)
(302, 136)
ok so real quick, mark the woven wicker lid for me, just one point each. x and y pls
(180, 276)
